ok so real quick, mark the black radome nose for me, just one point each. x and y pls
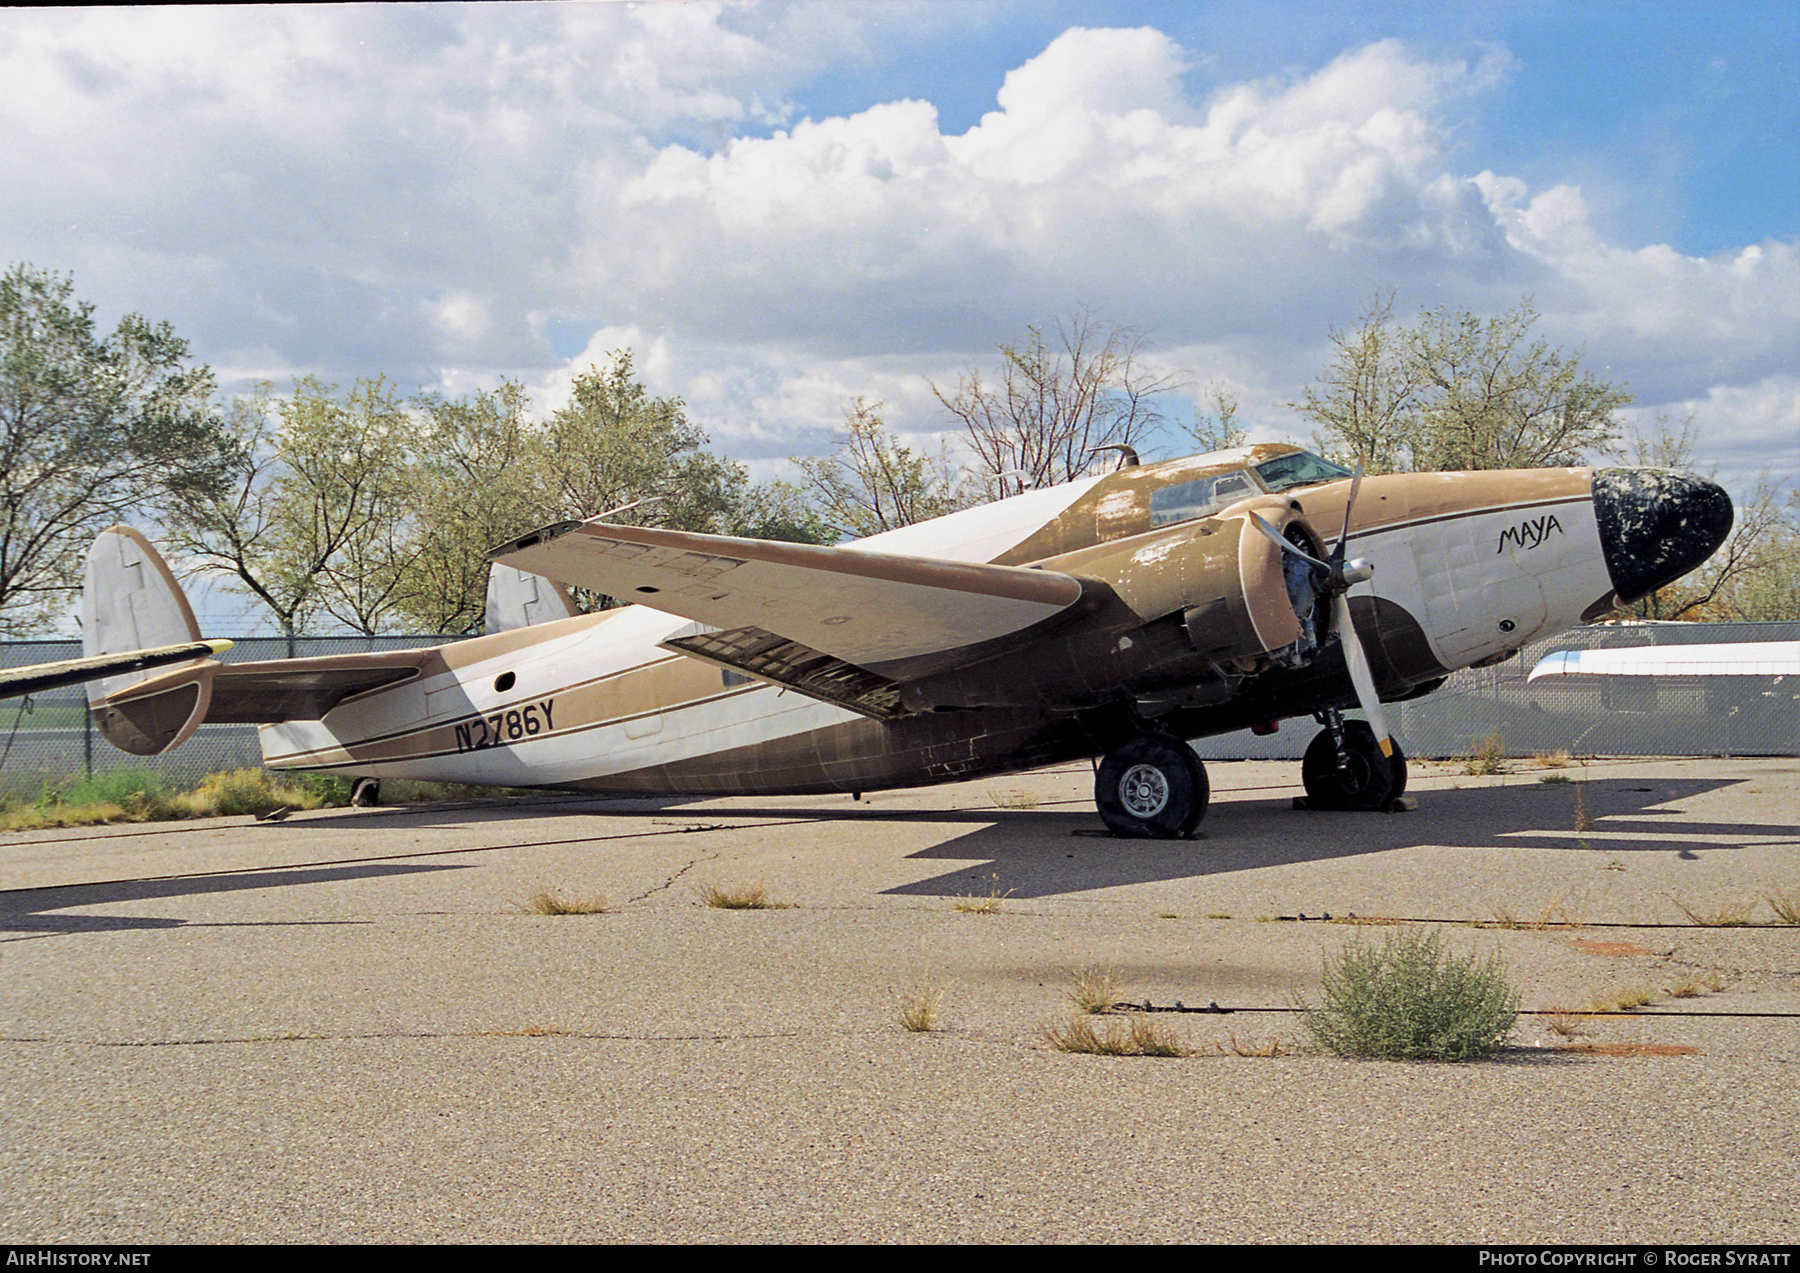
(1656, 525)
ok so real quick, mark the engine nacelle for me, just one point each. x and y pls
(1185, 605)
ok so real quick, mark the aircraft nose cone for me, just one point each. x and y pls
(1656, 525)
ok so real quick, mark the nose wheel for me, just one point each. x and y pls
(1151, 788)
(1361, 779)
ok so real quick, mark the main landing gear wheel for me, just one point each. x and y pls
(1152, 787)
(1369, 783)
(365, 793)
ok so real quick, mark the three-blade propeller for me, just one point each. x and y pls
(1338, 576)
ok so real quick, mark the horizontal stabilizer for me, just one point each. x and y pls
(18, 681)
(892, 615)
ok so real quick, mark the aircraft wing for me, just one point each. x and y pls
(1738, 658)
(896, 616)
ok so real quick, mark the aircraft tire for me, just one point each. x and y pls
(365, 793)
(1152, 787)
(1371, 781)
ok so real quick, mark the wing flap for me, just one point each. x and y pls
(891, 615)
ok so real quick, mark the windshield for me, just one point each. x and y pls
(1301, 468)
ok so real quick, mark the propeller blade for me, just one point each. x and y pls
(1287, 545)
(1360, 676)
(1337, 554)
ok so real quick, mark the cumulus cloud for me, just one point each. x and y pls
(437, 193)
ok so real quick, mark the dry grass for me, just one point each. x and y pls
(548, 901)
(1558, 914)
(1094, 989)
(989, 903)
(1785, 905)
(1584, 821)
(1630, 999)
(1271, 1046)
(741, 897)
(1566, 1022)
(1726, 915)
(1551, 759)
(921, 1008)
(1140, 1036)
(1369, 921)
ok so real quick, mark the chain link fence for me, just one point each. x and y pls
(49, 740)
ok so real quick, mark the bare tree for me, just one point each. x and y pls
(1056, 403)
(1754, 575)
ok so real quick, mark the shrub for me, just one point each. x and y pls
(1409, 999)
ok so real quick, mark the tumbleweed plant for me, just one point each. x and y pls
(1410, 999)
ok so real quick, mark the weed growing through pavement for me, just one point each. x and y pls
(1013, 799)
(741, 897)
(1629, 999)
(1785, 905)
(1551, 759)
(1094, 989)
(1726, 915)
(1271, 1046)
(1583, 820)
(1140, 1036)
(1410, 999)
(921, 1007)
(550, 902)
(1566, 1022)
(1487, 757)
(987, 904)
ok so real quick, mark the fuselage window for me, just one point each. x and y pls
(1198, 498)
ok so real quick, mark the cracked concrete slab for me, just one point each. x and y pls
(346, 1026)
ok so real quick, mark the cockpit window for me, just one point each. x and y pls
(1302, 468)
(1198, 498)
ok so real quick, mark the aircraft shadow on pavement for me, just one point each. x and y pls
(1040, 854)
(42, 911)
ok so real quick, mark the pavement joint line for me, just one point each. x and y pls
(404, 1034)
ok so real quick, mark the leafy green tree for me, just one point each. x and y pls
(871, 482)
(1457, 391)
(1215, 426)
(92, 429)
(477, 481)
(313, 520)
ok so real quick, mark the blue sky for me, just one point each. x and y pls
(784, 206)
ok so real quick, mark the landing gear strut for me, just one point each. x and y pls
(1151, 787)
(1344, 767)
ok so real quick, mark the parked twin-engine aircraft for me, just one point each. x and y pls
(1109, 617)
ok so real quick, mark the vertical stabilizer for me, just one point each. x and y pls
(131, 601)
(516, 599)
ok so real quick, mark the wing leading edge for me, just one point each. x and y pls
(886, 616)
